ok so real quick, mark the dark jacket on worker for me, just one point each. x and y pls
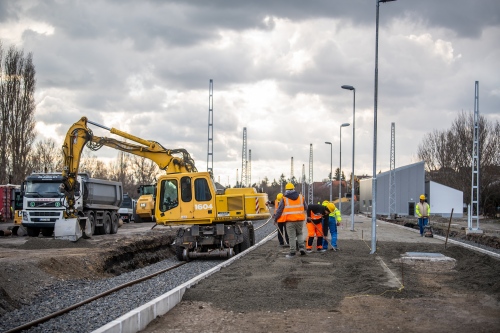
(291, 194)
(316, 212)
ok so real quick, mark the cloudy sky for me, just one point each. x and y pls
(277, 69)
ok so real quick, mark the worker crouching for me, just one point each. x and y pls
(315, 215)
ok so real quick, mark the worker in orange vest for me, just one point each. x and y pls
(281, 223)
(291, 210)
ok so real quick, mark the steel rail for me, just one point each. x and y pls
(101, 295)
(91, 299)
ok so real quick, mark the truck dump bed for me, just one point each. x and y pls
(102, 193)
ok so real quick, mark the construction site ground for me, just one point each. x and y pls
(346, 291)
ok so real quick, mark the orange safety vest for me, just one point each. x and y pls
(316, 216)
(294, 210)
(281, 219)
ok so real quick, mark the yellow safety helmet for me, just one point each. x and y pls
(289, 186)
(422, 197)
(325, 202)
(331, 207)
(279, 196)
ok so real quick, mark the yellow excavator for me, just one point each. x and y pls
(210, 224)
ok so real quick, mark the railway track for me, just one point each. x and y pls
(84, 306)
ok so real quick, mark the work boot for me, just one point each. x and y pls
(321, 250)
(302, 252)
(290, 255)
(309, 250)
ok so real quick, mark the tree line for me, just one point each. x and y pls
(448, 159)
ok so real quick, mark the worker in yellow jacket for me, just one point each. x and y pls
(423, 211)
(331, 222)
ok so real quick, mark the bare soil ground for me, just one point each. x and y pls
(345, 291)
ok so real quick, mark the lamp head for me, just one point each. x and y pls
(348, 87)
(328, 143)
(345, 125)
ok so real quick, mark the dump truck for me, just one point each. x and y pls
(209, 224)
(97, 200)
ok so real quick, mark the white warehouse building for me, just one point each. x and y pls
(410, 184)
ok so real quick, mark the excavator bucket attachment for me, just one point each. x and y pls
(68, 229)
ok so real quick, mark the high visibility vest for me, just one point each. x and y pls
(315, 216)
(421, 209)
(294, 210)
(282, 217)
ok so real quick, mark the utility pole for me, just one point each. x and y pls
(249, 169)
(392, 174)
(310, 194)
(210, 150)
(244, 159)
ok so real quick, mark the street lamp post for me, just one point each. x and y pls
(340, 167)
(353, 144)
(374, 180)
(331, 166)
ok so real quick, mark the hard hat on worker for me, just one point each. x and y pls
(331, 207)
(422, 197)
(325, 202)
(279, 196)
(289, 186)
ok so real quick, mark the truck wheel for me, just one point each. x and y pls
(47, 232)
(137, 219)
(106, 224)
(114, 224)
(91, 220)
(246, 239)
(33, 232)
(178, 252)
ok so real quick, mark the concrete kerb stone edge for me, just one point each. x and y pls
(137, 319)
(470, 247)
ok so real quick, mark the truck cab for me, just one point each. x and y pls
(42, 203)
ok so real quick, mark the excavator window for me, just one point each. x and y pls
(186, 194)
(169, 194)
(202, 190)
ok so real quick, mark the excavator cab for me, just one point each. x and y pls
(185, 197)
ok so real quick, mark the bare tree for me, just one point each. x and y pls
(46, 156)
(448, 156)
(144, 170)
(17, 108)
(121, 171)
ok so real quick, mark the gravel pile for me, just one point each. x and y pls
(98, 313)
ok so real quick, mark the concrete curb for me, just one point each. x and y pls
(137, 319)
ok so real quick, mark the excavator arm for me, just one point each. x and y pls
(79, 136)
